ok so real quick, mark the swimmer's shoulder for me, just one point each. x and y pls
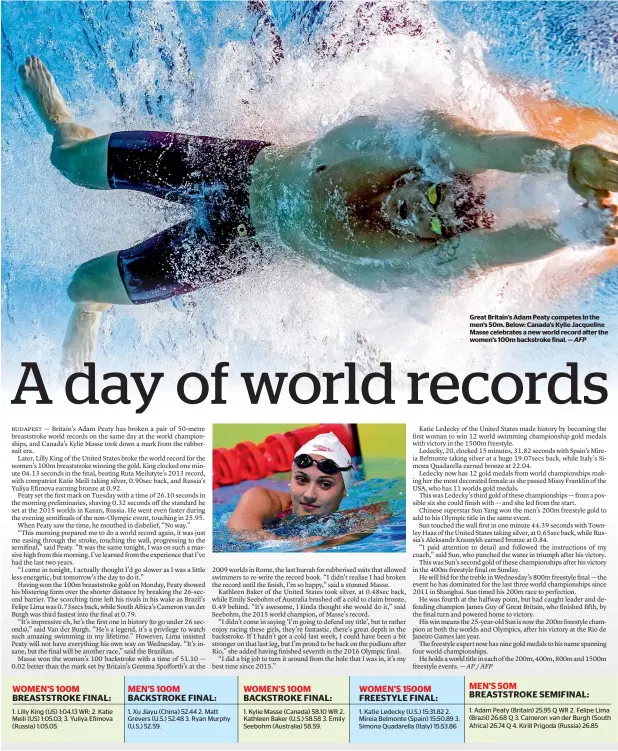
(352, 136)
(362, 125)
(255, 505)
(266, 498)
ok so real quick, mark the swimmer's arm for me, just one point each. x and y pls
(390, 151)
(365, 156)
(484, 250)
(466, 148)
(373, 513)
(255, 505)
(473, 150)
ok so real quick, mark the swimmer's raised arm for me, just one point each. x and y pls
(590, 170)
(255, 505)
(471, 149)
(367, 154)
(391, 146)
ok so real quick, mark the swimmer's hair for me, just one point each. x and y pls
(469, 207)
(365, 206)
(367, 210)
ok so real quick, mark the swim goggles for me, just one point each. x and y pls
(328, 466)
(434, 196)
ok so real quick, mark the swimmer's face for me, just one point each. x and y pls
(410, 211)
(314, 493)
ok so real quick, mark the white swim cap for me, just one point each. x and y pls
(330, 447)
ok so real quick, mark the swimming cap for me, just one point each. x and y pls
(330, 447)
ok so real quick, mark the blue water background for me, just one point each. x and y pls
(90, 46)
(387, 485)
(571, 45)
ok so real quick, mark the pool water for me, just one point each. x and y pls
(388, 536)
(283, 72)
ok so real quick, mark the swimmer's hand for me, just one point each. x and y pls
(593, 172)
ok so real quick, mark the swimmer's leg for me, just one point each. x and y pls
(80, 340)
(181, 259)
(98, 282)
(95, 287)
(76, 151)
(569, 124)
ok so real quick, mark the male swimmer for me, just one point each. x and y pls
(360, 191)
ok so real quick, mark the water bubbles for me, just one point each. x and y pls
(203, 68)
(358, 513)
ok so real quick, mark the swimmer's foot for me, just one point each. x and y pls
(80, 342)
(45, 96)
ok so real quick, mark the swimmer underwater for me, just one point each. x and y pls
(357, 193)
(320, 477)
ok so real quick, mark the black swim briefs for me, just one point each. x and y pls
(213, 175)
